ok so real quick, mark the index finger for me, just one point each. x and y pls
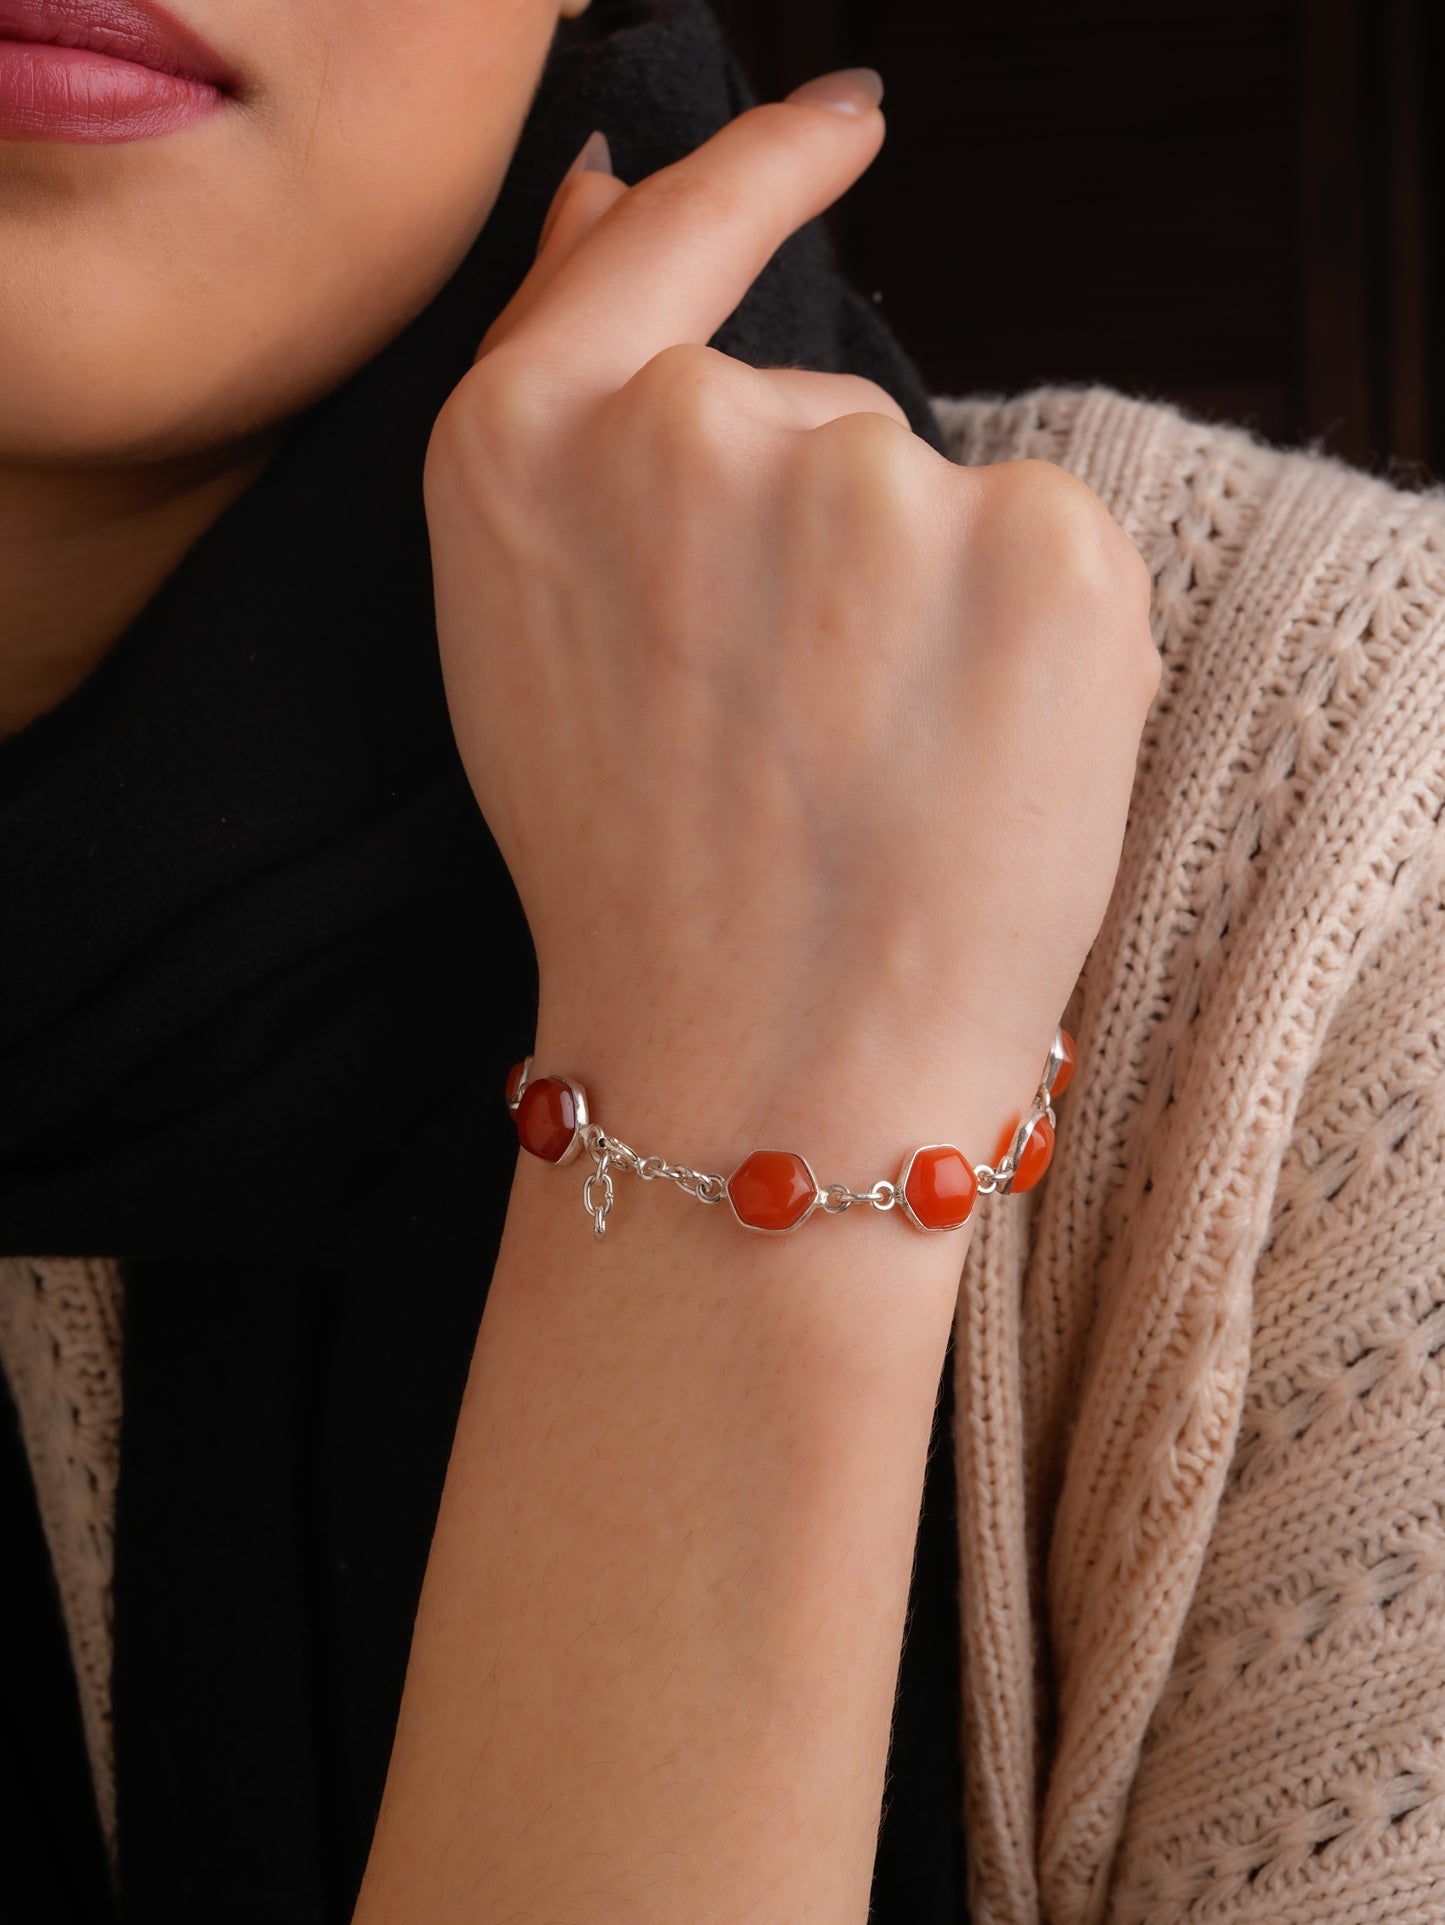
(674, 256)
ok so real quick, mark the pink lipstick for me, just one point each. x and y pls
(89, 71)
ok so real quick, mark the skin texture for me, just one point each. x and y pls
(799, 877)
(167, 304)
(655, 1659)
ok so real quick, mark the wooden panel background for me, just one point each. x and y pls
(1237, 208)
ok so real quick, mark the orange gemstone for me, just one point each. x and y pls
(772, 1190)
(940, 1186)
(1038, 1150)
(1037, 1153)
(546, 1118)
(514, 1076)
(1067, 1067)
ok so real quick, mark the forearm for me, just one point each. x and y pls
(658, 1645)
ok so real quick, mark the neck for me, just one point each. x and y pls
(81, 553)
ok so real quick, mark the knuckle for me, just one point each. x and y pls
(1066, 564)
(679, 367)
(872, 395)
(870, 435)
(686, 397)
(685, 195)
(1052, 505)
(1040, 514)
(494, 416)
(861, 463)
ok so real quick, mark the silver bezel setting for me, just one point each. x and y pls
(579, 1101)
(759, 1229)
(513, 1102)
(932, 1229)
(1052, 1067)
(579, 1097)
(1022, 1132)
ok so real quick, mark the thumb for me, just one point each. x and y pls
(583, 196)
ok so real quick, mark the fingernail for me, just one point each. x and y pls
(595, 157)
(852, 90)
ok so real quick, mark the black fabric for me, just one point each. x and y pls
(262, 972)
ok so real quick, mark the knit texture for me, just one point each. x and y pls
(60, 1350)
(1200, 1422)
(1199, 1413)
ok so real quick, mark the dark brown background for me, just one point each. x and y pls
(1235, 207)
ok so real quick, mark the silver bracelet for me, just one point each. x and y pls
(775, 1191)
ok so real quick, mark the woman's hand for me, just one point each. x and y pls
(786, 726)
(809, 750)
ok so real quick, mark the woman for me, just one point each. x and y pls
(828, 778)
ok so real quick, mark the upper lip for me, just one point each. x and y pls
(133, 30)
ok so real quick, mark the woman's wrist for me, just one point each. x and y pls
(683, 1498)
(854, 1109)
(657, 1651)
(851, 1098)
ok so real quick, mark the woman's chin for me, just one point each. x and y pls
(50, 421)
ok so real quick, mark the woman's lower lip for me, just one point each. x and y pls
(72, 94)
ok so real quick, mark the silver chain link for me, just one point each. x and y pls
(838, 1197)
(599, 1211)
(707, 1186)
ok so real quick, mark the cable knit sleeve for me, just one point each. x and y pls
(1294, 1768)
(1202, 1455)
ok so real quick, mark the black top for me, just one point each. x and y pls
(262, 972)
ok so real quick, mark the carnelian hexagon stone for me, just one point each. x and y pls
(1067, 1067)
(546, 1118)
(1037, 1152)
(940, 1187)
(772, 1190)
(514, 1076)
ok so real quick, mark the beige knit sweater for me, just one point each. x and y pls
(1200, 1425)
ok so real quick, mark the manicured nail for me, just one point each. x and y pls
(852, 90)
(595, 157)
